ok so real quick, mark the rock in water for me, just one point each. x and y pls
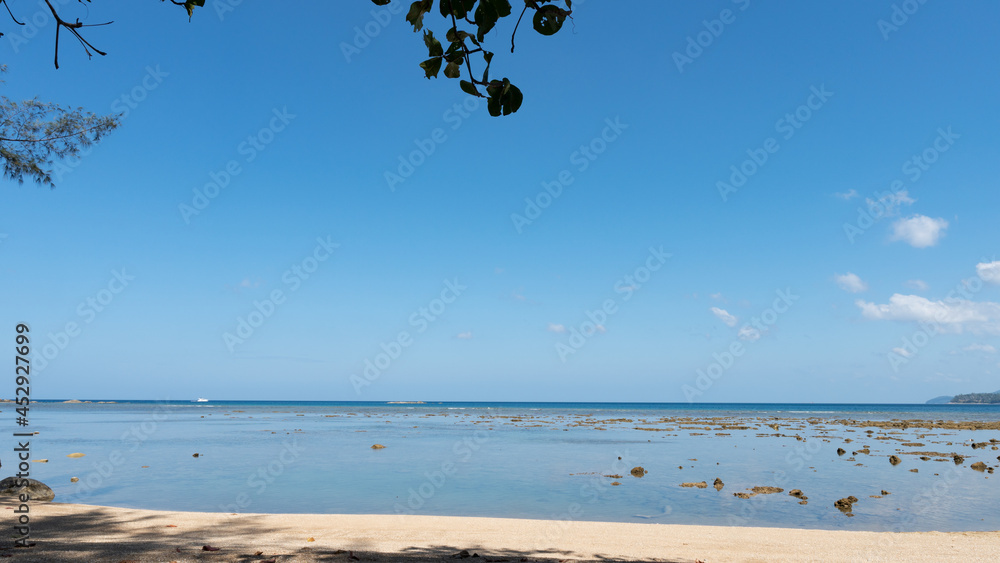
(718, 484)
(979, 466)
(36, 489)
(841, 451)
(958, 459)
(377, 447)
(638, 471)
(846, 504)
(700, 485)
(895, 460)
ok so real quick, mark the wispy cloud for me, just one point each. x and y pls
(748, 333)
(977, 347)
(891, 202)
(848, 195)
(919, 285)
(955, 315)
(724, 316)
(850, 282)
(903, 352)
(557, 328)
(467, 335)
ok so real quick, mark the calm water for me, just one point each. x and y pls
(520, 460)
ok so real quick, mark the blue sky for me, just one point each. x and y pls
(640, 281)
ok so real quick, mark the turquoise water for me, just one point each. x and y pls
(519, 460)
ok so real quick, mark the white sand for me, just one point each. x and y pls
(69, 532)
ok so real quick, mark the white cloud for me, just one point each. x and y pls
(955, 315)
(988, 348)
(989, 271)
(724, 316)
(919, 285)
(903, 352)
(890, 201)
(467, 335)
(717, 297)
(919, 231)
(749, 333)
(556, 328)
(851, 282)
(848, 195)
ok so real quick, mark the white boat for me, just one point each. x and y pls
(200, 400)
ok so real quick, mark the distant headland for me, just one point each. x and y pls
(967, 398)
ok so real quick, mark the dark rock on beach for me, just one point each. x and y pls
(35, 489)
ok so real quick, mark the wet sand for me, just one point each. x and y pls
(70, 532)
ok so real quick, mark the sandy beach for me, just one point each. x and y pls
(73, 532)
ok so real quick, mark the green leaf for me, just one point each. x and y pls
(468, 87)
(190, 5)
(431, 67)
(434, 48)
(512, 101)
(549, 19)
(458, 8)
(487, 14)
(453, 69)
(494, 106)
(488, 55)
(416, 14)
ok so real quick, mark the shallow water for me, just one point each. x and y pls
(523, 460)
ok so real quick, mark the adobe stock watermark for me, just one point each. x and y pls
(249, 149)
(750, 332)
(591, 491)
(581, 158)
(420, 319)
(264, 475)
(714, 28)
(381, 17)
(247, 325)
(786, 127)
(899, 16)
(801, 454)
(408, 164)
(911, 346)
(913, 169)
(130, 441)
(434, 481)
(225, 7)
(87, 311)
(122, 105)
(626, 286)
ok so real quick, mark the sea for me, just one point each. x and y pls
(553, 461)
